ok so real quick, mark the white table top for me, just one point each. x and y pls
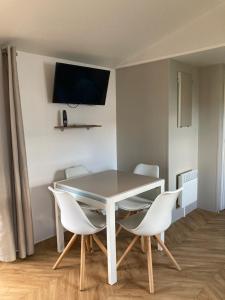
(108, 184)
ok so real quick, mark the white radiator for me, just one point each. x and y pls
(189, 182)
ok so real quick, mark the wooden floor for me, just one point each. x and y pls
(197, 242)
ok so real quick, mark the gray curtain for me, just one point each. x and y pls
(16, 231)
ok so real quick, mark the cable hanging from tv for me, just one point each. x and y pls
(73, 105)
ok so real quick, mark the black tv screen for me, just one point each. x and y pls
(80, 85)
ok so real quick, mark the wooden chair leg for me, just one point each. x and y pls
(91, 243)
(168, 252)
(150, 268)
(100, 244)
(127, 250)
(143, 244)
(87, 244)
(120, 227)
(118, 230)
(82, 262)
(67, 248)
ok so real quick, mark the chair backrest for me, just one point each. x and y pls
(159, 215)
(73, 217)
(147, 170)
(76, 171)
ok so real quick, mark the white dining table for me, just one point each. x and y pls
(106, 188)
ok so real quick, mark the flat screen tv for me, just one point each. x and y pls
(80, 85)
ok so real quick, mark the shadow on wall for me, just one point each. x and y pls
(43, 211)
(49, 71)
(59, 175)
(42, 204)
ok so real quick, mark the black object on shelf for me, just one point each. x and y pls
(65, 120)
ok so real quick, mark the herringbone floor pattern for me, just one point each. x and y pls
(197, 242)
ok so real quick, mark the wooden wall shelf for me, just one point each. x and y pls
(76, 126)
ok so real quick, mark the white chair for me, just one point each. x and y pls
(139, 203)
(78, 171)
(75, 220)
(157, 220)
(75, 172)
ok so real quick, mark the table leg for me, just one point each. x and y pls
(59, 230)
(111, 242)
(162, 234)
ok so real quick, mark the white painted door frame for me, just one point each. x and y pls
(221, 155)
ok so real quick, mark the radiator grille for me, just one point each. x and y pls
(189, 182)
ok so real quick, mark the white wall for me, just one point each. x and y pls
(183, 142)
(210, 124)
(142, 115)
(50, 151)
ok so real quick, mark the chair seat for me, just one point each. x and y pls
(98, 220)
(86, 206)
(133, 221)
(134, 204)
(85, 202)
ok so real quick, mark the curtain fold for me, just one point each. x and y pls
(16, 230)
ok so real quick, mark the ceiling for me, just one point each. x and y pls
(101, 32)
(204, 58)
